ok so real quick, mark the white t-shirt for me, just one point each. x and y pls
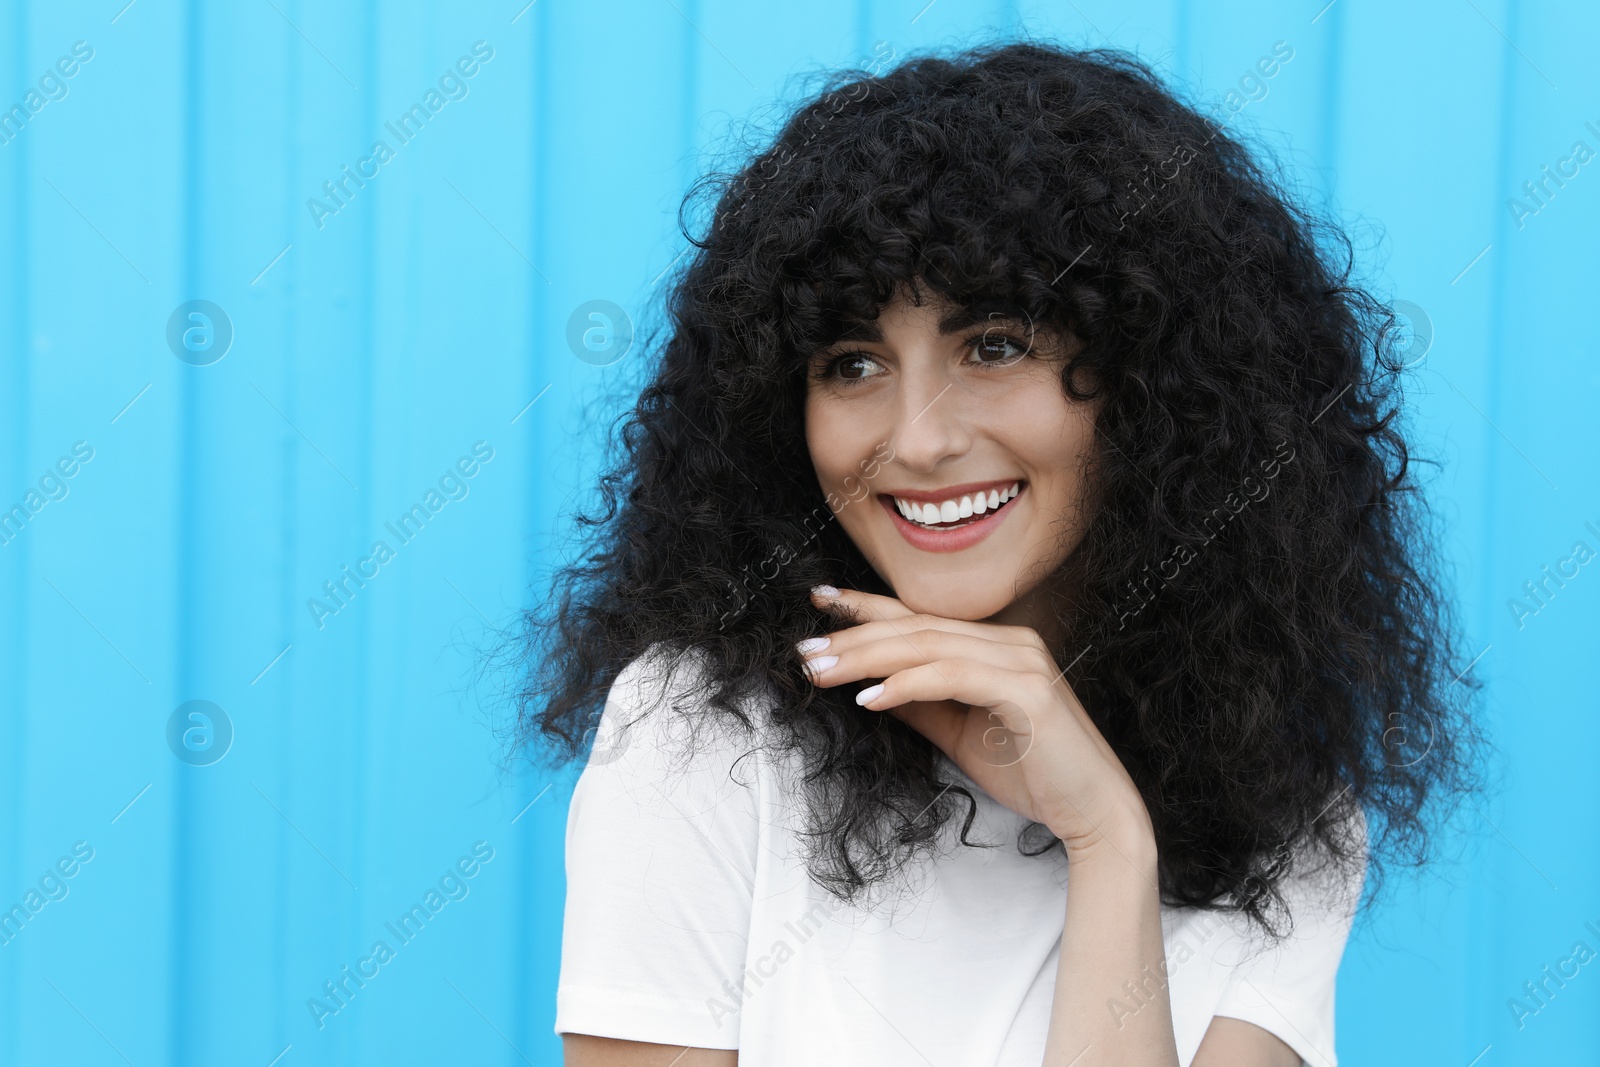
(691, 920)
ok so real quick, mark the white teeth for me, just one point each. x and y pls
(948, 511)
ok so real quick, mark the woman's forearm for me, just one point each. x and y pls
(1111, 1007)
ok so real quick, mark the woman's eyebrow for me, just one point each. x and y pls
(961, 318)
(952, 322)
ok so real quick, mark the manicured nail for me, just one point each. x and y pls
(870, 693)
(810, 645)
(821, 663)
(826, 592)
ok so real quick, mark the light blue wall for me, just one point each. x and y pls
(371, 351)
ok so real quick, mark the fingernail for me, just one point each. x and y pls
(827, 592)
(810, 645)
(871, 692)
(821, 663)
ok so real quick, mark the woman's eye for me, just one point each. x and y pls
(995, 349)
(850, 367)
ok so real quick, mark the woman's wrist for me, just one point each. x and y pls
(1124, 837)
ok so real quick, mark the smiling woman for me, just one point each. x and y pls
(933, 791)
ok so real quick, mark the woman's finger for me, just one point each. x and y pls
(977, 684)
(877, 650)
(1011, 644)
(856, 606)
(874, 616)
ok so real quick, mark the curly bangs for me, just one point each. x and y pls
(1257, 623)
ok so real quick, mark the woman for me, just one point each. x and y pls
(1011, 631)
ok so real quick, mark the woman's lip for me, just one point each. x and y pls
(955, 539)
(953, 492)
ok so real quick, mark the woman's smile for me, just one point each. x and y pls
(952, 519)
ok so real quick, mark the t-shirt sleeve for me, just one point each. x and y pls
(661, 845)
(1288, 989)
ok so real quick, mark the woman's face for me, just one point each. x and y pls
(911, 427)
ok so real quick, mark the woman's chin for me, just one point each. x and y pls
(948, 606)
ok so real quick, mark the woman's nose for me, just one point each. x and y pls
(930, 420)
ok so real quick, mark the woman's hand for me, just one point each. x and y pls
(992, 699)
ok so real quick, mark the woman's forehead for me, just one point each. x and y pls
(935, 311)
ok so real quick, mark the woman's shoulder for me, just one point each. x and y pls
(1324, 886)
(659, 717)
(1319, 890)
(1286, 983)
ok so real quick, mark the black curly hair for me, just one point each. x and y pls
(1258, 689)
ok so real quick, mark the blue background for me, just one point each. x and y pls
(431, 311)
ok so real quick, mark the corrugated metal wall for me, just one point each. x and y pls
(369, 342)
